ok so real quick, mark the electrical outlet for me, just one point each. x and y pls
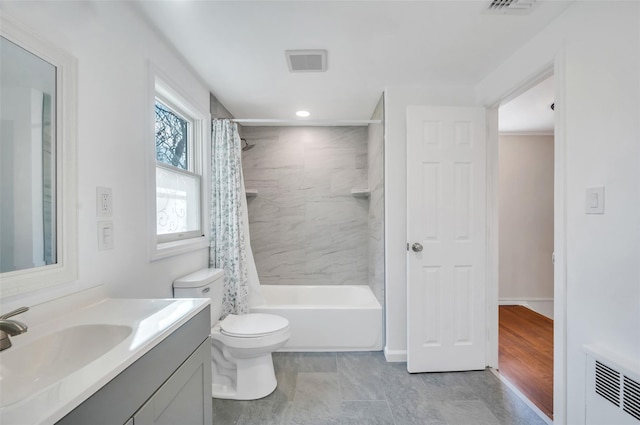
(104, 202)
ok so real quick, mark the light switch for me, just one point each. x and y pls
(594, 200)
(105, 235)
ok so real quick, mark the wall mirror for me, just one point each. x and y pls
(37, 163)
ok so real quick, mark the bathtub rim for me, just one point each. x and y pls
(371, 303)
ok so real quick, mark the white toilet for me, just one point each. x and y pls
(241, 344)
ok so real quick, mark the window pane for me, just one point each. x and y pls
(177, 201)
(171, 137)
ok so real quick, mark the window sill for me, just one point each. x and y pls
(173, 248)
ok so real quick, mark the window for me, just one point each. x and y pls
(172, 137)
(178, 168)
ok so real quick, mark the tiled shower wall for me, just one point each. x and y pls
(306, 227)
(376, 203)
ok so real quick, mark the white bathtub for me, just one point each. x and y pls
(326, 318)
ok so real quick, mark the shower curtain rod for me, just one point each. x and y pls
(306, 122)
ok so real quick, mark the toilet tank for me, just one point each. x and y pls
(205, 283)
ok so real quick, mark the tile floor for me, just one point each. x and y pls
(363, 389)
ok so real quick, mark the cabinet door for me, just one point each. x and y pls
(185, 398)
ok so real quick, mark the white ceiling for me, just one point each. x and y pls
(238, 48)
(530, 112)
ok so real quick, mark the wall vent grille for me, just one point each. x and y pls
(511, 6)
(631, 397)
(306, 60)
(608, 383)
(619, 389)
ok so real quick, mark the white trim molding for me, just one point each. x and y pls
(560, 395)
(65, 270)
(558, 69)
(525, 133)
(161, 83)
(395, 356)
(542, 306)
(493, 236)
(522, 397)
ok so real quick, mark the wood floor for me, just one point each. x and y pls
(526, 354)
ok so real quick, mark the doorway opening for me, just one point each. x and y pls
(526, 243)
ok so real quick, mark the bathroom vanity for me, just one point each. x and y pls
(109, 361)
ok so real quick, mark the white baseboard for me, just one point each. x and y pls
(543, 306)
(521, 396)
(395, 356)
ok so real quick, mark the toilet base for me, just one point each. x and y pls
(255, 379)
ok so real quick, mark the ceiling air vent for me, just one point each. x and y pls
(511, 6)
(306, 60)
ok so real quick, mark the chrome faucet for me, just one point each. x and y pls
(11, 327)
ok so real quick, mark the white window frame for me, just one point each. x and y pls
(168, 93)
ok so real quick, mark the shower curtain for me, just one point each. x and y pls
(229, 247)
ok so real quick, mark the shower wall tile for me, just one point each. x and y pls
(362, 156)
(342, 181)
(261, 133)
(263, 155)
(306, 227)
(263, 179)
(279, 262)
(333, 211)
(314, 184)
(348, 135)
(329, 156)
(291, 179)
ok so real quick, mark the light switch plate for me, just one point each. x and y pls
(105, 235)
(594, 201)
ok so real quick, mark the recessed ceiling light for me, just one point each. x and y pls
(303, 114)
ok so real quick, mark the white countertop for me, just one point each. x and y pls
(150, 320)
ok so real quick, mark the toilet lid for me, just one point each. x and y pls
(252, 325)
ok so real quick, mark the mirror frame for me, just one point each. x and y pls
(65, 269)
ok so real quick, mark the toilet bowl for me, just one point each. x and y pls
(241, 345)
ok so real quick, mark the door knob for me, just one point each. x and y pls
(416, 247)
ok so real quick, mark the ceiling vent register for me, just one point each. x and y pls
(516, 7)
(306, 60)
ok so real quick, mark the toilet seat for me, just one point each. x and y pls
(252, 325)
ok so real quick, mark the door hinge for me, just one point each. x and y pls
(407, 246)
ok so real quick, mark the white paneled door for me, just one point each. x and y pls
(446, 230)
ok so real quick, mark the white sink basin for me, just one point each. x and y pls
(28, 368)
(76, 345)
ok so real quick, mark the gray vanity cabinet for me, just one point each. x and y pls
(181, 400)
(170, 384)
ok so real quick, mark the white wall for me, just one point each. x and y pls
(113, 48)
(600, 42)
(396, 100)
(526, 219)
